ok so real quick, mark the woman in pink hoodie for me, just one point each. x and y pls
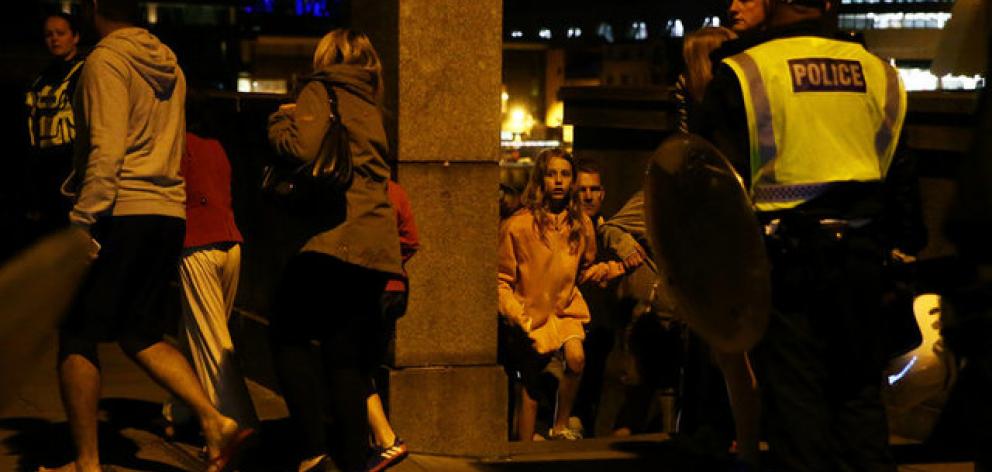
(543, 249)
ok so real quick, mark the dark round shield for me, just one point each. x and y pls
(707, 243)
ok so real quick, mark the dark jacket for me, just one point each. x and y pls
(362, 229)
(49, 138)
(49, 108)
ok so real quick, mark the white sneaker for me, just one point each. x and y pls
(575, 424)
(567, 434)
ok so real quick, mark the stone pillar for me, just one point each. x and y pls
(442, 62)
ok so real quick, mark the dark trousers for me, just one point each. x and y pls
(338, 305)
(655, 345)
(597, 345)
(820, 362)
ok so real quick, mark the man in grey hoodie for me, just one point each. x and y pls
(130, 197)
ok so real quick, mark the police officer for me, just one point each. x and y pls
(812, 124)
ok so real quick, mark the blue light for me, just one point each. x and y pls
(312, 8)
(902, 373)
(261, 6)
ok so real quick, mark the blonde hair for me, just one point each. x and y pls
(539, 202)
(696, 51)
(347, 46)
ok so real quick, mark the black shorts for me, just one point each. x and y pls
(131, 292)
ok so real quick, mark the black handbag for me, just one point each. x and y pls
(329, 175)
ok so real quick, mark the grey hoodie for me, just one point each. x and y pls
(131, 126)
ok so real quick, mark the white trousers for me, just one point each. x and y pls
(210, 282)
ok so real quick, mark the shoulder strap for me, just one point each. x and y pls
(332, 100)
(335, 126)
(336, 140)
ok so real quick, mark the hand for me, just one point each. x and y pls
(525, 323)
(900, 256)
(94, 249)
(287, 108)
(92, 246)
(636, 258)
(596, 273)
(616, 269)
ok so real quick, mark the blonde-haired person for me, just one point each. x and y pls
(742, 387)
(691, 85)
(696, 52)
(351, 48)
(331, 288)
(545, 250)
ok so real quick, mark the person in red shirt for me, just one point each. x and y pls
(209, 272)
(389, 449)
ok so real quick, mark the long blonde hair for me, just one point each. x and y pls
(539, 202)
(696, 51)
(347, 46)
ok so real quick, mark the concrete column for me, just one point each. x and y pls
(442, 62)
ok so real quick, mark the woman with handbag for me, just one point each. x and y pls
(331, 288)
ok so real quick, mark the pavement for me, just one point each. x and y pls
(33, 432)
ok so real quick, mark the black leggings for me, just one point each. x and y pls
(337, 304)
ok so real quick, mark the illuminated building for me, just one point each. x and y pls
(906, 32)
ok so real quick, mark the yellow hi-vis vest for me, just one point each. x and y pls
(818, 111)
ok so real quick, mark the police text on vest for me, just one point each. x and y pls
(826, 75)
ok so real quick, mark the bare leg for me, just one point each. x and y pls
(171, 370)
(381, 429)
(568, 388)
(745, 401)
(79, 381)
(526, 417)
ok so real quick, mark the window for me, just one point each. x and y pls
(867, 21)
(605, 31)
(917, 79)
(638, 31)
